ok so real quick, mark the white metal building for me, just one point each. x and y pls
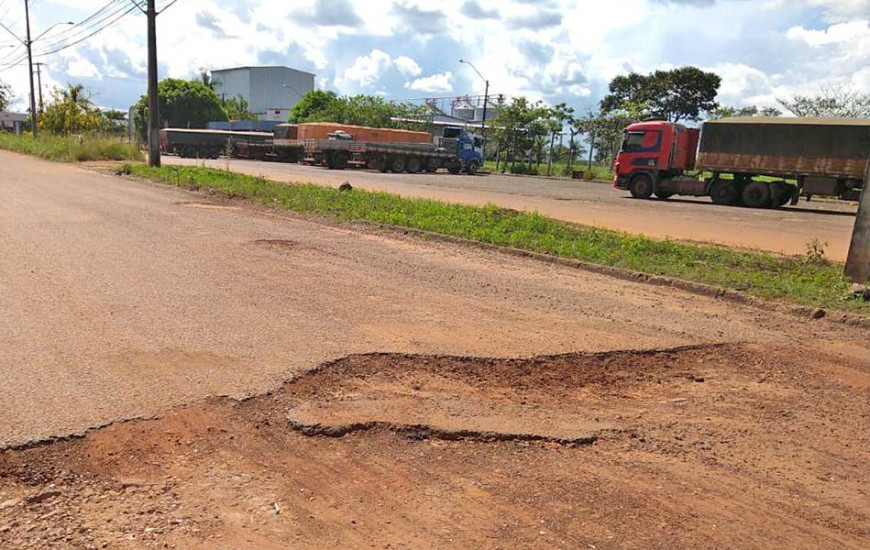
(12, 122)
(270, 91)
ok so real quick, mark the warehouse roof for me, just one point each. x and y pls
(796, 121)
(260, 67)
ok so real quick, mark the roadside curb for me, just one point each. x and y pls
(701, 289)
(553, 178)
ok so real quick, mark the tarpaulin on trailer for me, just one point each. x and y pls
(832, 138)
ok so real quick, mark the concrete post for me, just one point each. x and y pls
(858, 261)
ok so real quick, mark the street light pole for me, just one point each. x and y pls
(485, 104)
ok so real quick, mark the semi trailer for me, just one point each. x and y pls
(455, 150)
(336, 146)
(762, 162)
(191, 143)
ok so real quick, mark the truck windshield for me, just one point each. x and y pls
(642, 142)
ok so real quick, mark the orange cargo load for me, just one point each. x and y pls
(321, 130)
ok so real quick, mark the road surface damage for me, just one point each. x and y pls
(738, 445)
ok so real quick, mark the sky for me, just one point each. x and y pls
(550, 50)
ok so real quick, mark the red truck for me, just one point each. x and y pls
(760, 162)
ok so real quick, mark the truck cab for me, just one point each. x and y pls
(653, 151)
(468, 147)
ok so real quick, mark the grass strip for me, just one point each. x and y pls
(70, 149)
(809, 281)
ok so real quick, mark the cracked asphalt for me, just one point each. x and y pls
(122, 299)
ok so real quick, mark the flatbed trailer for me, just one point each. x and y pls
(195, 143)
(340, 154)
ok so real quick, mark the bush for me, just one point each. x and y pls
(71, 149)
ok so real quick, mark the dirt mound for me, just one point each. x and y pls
(720, 446)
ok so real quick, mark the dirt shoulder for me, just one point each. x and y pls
(736, 446)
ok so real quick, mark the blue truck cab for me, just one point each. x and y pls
(468, 147)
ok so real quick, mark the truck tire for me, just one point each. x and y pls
(663, 195)
(433, 164)
(471, 168)
(757, 195)
(454, 169)
(397, 164)
(339, 160)
(724, 192)
(641, 186)
(780, 193)
(414, 165)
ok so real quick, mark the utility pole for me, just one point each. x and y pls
(39, 83)
(153, 103)
(858, 261)
(485, 104)
(28, 44)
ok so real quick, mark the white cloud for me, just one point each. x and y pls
(408, 66)
(433, 83)
(835, 34)
(366, 70)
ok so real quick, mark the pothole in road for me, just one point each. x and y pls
(277, 244)
(372, 446)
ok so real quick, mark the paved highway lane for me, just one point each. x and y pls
(120, 298)
(786, 230)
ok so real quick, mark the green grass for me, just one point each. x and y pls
(70, 149)
(559, 170)
(809, 281)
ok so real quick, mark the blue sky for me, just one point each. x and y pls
(553, 50)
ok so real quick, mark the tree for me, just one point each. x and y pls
(360, 110)
(521, 129)
(183, 104)
(679, 94)
(5, 96)
(113, 121)
(604, 133)
(314, 104)
(727, 112)
(831, 101)
(207, 79)
(70, 111)
(238, 108)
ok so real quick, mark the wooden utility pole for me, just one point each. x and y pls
(153, 103)
(39, 84)
(858, 261)
(29, 45)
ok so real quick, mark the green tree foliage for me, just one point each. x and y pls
(183, 104)
(5, 96)
(523, 131)
(359, 110)
(604, 132)
(238, 108)
(831, 101)
(727, 112)
(679, 94)
(314, 104)
(70, 111)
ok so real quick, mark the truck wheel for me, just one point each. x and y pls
(471, 167)
(433, 165)
(397, 165)
(339, 161)
(757, 195)
(724, 192)
(454, 169)
(414, 165)
(663, 195)
(641, 186)
(780, 193)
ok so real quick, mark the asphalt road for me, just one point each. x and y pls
(786, 230)
(121, 298)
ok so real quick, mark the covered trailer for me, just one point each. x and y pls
(825, 156)
(757, 161)
(192, 143)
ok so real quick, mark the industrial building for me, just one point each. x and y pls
(270, 91)
(12, 122)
